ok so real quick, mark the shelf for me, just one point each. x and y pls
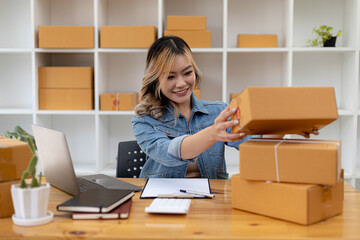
(324, 50)
(65, 112)
(257, 50)
(121, 113)
(93, 135)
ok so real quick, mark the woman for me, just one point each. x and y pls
(182, 136)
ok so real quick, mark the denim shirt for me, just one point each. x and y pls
(161, 141)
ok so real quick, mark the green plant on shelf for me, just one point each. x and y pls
(22, 135)
(323, 34)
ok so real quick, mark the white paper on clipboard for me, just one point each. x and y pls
(156, 186)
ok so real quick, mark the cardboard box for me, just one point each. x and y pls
(233, 96)
(66, 37)
(66, 88)
(66, 77)
(300, 203)
(284, 110)
(127, 36)
(195, 39)
(66, 99)
(257, 41)
(6, 205)
(118, 101)
(186, 22)
(196, 92)
(291, 160)
(14, 158)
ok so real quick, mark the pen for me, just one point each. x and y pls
(175, 195)
(209, 195)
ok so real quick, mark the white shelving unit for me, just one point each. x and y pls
(93, 135)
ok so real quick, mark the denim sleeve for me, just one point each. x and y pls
(157, 145)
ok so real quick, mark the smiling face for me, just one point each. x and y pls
(180, 83)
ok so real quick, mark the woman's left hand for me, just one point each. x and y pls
(220, 125)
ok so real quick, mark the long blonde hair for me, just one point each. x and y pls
(160, 58)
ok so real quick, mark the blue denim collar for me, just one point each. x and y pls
(197, 106)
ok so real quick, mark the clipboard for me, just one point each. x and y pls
(168, 186)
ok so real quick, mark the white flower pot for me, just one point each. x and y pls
(31, 205)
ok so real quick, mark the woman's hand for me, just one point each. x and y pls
(220, 125)
(307, 134)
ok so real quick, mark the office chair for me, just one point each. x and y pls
(130, 160)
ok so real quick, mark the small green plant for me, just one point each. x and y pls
(323, 33)
(22, 135)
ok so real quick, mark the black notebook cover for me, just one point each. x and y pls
(96, 200)
(122, 211)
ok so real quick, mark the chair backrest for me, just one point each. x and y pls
(130, 160)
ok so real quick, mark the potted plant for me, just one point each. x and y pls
(30, 200)
(324, 37)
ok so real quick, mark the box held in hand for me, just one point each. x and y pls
(284, 110)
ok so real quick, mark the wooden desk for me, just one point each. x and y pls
(207, 219)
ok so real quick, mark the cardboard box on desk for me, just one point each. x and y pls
(66, 37)
(291, 160)
(284, 110)
(195, 39)
(6, 205)
(300, 203)
(66, 88)
(127, 36)
(186, 22)
(14, 159)
(118, 101)
(257, 40)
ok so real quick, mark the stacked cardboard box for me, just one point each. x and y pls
(298, 180)
(66, 88)
(257, 41)
(118, 101)
(66, 36)
(14, 159)
(127, 36)
(190, 28)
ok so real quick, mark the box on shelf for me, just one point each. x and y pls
(197, 93)
(66, 37)
(66, 77)
(127, 36)
(291, 160)
(118, 101)
(66, 99)
(300, 203)
(14, 159)
(66, 88)
(6, 205)
(257, 40)
(195, 39)
(186, 22)
(284, 110)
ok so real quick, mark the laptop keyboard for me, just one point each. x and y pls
(85, 185)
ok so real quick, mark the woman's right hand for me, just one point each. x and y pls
(220, 125)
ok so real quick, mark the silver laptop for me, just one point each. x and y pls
(58, 169)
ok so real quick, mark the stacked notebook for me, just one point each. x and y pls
(99, 204)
